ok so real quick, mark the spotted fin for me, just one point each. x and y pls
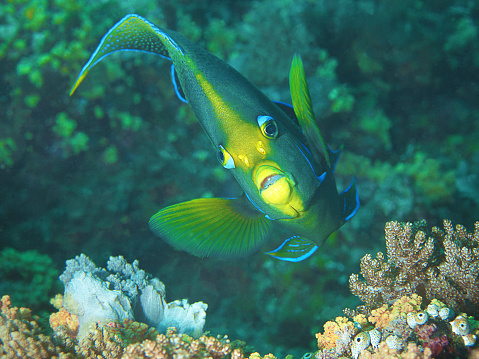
(304, 110)
(294, 249)
(212, 227)
(132, 33)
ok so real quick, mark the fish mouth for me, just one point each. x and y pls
(269, 181)
(266, 176)
(274, 186)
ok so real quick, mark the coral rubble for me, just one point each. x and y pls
(442, 265)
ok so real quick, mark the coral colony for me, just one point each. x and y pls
(121, 311)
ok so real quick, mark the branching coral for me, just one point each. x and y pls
(456, 280)
(443, 265)
(21, 335)
(171, 345)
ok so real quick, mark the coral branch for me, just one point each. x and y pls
(443, 265)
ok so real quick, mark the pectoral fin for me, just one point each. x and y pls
(212, 227)
(304, 110)
(294, 249)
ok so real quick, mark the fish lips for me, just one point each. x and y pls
(274, 186)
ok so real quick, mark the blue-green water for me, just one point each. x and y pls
(396, 84)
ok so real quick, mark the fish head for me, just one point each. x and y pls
(269, 162)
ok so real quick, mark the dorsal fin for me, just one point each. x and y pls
(132, 33)
(177, 85)
(304, 111)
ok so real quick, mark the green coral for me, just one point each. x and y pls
(378, 125)
(129, 122)
(71, 141)
(341, 99)
(433, 183)
(110, 155)
(78, 142)
(30, 277)
(7, 149)
(64, 126)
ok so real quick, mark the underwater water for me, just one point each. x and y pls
(396, 84)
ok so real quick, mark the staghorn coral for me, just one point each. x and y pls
(100, 343)
(443, 265)
(456, 280)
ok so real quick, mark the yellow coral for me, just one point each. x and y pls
(332, 330)
(68, 322)
(406, 304)
(328, 339)
(57, 301)
(361, 320)
(380, 317)
(256, 355)
(383, 315)
(64, 319)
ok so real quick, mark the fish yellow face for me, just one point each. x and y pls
(253, 141)
(274, 173)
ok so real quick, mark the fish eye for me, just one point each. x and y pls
(268, 127)
(225, 158)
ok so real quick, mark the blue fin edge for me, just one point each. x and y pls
(176, 85)
(350, 199)
(290, 259)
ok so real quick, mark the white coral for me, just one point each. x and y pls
(95, 295)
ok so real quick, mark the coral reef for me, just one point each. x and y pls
(400, 330)
(21, 337)
(443, 265)
(122, 292)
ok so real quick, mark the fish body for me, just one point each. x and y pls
(285, 169)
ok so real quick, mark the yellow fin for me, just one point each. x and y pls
(212, 227)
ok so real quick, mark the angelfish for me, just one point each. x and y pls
(275, 152)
